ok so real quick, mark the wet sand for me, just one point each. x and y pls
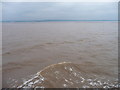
(30, 47)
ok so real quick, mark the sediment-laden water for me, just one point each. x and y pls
(90, 47)
(70, 75)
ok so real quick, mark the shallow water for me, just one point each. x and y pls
(30, 47)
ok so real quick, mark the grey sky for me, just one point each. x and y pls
(27, 11)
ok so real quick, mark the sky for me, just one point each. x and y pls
(32, 11)
(60, 0)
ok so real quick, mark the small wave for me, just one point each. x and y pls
(70, 75)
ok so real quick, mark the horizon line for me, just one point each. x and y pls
(51, 20)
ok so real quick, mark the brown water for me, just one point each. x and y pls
(70, 75)
(30, 47)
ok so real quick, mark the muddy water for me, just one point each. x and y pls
(70, 75)
(30, 47)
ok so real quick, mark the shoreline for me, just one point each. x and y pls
(60, 21)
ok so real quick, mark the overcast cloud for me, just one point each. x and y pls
(27, 11)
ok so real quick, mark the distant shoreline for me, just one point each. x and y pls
(61, 21)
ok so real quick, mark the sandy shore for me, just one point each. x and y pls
(29, 47)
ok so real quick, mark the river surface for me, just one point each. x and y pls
(90, 50)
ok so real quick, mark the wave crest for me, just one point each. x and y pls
(70, 75)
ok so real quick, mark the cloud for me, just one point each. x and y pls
(60, 0)
(60, 11)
